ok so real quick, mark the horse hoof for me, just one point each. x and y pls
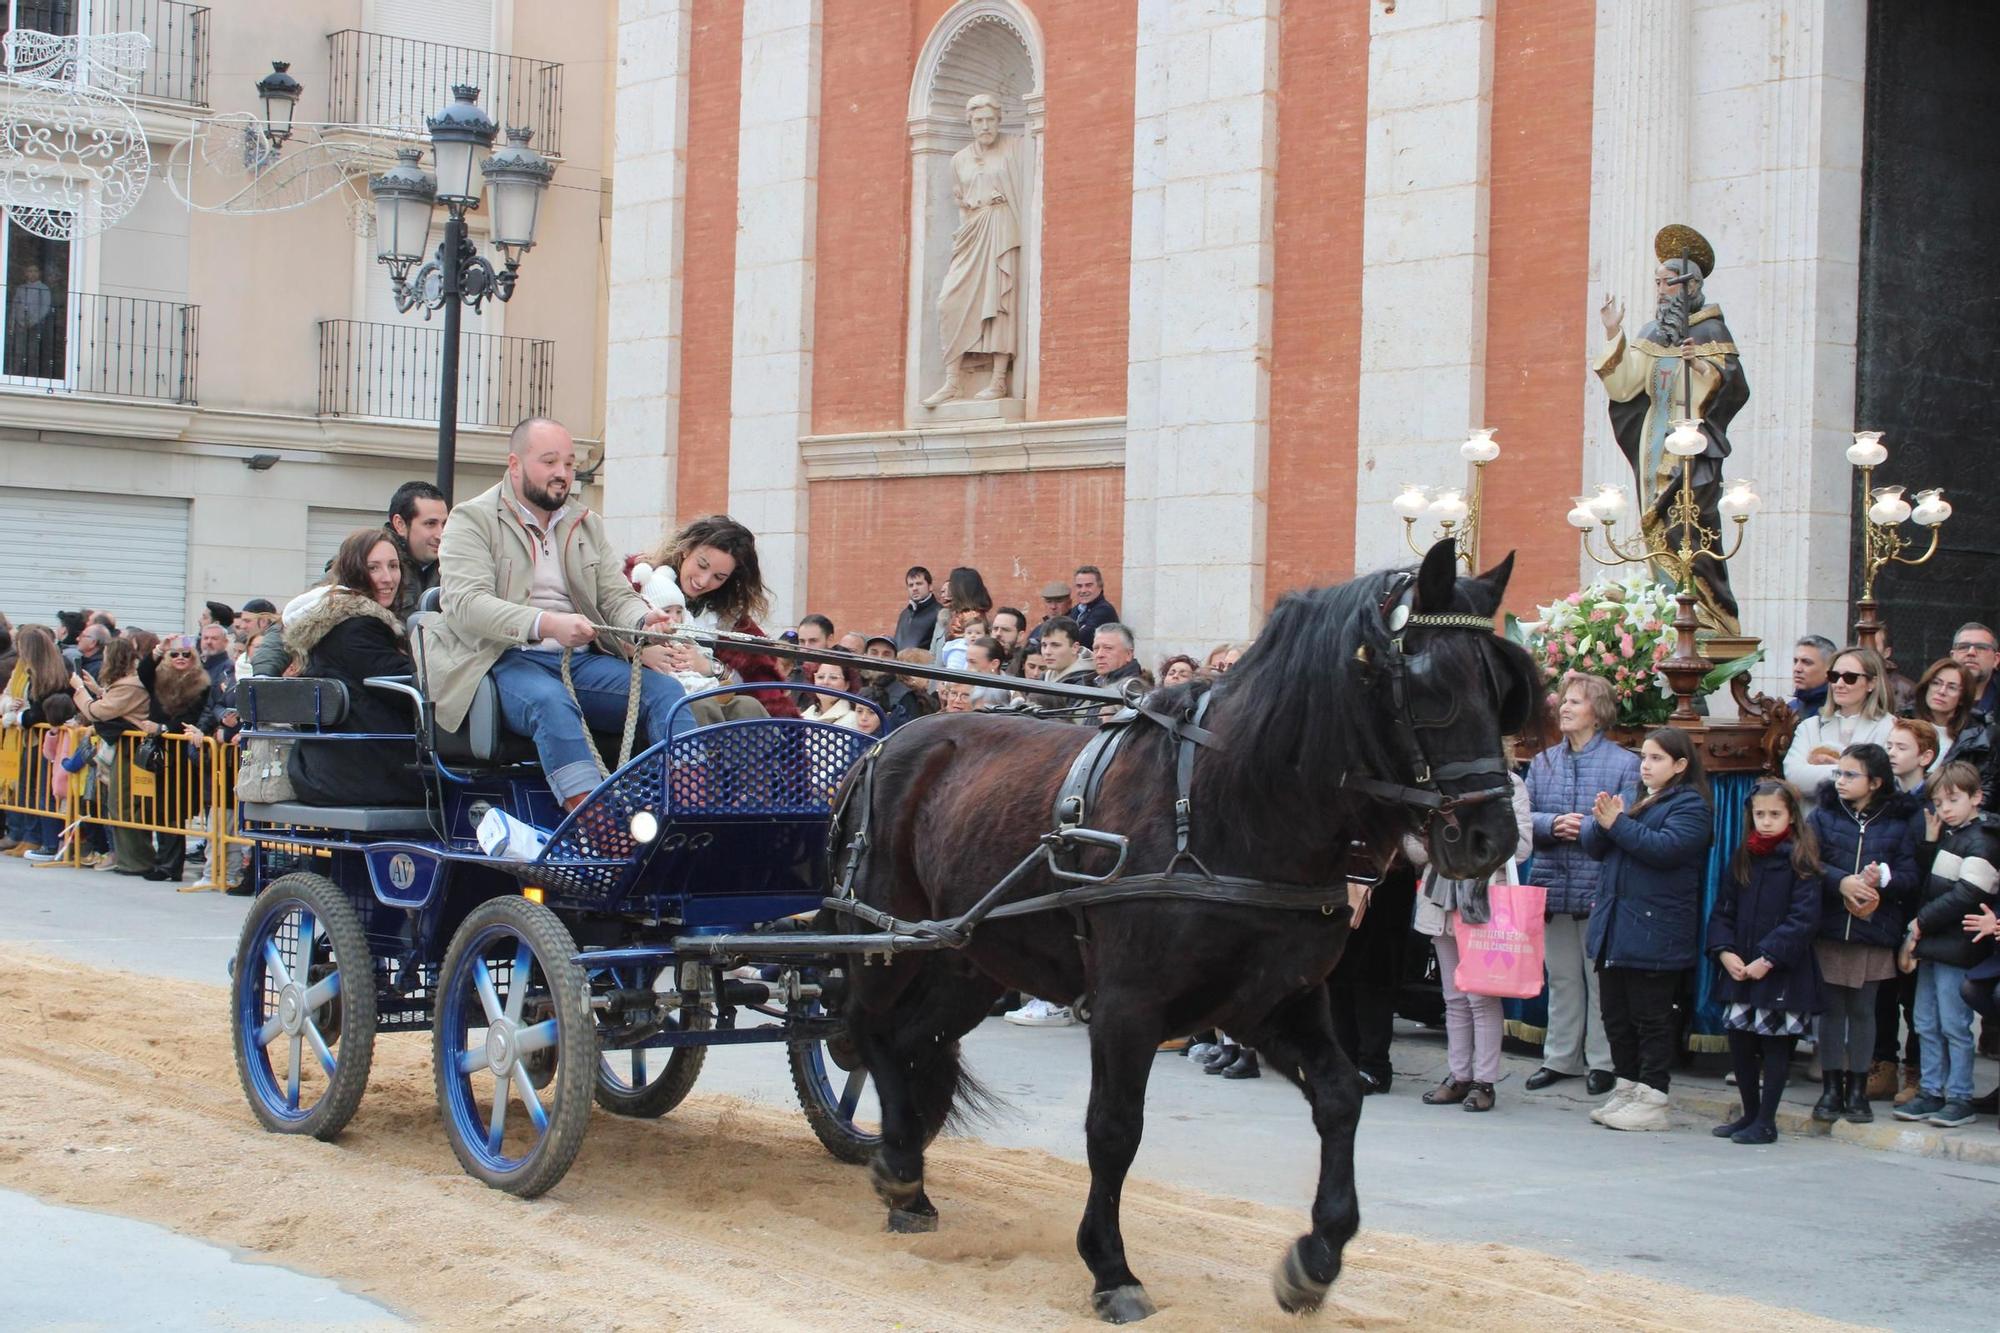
(1297, 1290)
(896, 1193)
(903, 1222)
(1122, 1305)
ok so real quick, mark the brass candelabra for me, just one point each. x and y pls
(1884, 512)
(1456, 513)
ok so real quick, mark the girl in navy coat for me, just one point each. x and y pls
(1868, 883)
(1761, 934)
(1644, 927)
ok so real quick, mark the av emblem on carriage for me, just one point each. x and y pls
(402, 870)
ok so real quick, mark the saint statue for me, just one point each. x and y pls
(979, 305)
(1682, 364)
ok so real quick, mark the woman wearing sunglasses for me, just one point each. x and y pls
(1856, 712)
(182, 706)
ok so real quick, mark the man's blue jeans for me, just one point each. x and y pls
(533, 703)
(1944, 1032)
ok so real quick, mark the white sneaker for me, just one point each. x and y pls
(40, 857)
(1041, 1014)
(1646, 1109)
(1621, 1092)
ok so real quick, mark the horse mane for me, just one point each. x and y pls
(1297, 715)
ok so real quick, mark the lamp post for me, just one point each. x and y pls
(1457, 516)
(457, 275)
(279, 93)
(1740, 500)
(1884, 512)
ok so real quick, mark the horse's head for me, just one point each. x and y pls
(1390, 693)
(1448, 692)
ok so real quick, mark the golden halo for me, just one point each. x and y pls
(1677, 240)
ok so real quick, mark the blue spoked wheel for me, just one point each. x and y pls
(515, 1046)
(648, 1082)
(837, 1095)
(302, 1001)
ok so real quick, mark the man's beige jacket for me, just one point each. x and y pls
(485, 566)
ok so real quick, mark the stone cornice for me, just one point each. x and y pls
(924, 451)
(76, 418)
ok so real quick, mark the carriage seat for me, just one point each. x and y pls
(347, 818)
(482, 738)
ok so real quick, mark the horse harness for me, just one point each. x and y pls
(1185, 877)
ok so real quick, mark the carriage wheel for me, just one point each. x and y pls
(303, 1004)
(648, 1082)
(837, 1095)
(515, 1046)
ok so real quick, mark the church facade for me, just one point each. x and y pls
(1260, 264)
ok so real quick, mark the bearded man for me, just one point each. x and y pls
(1683, 364)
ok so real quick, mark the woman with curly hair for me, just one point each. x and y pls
(714, 562)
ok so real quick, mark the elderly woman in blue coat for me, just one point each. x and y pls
(1563, 784)
(1644, 927)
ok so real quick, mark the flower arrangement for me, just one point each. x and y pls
(1619, 629)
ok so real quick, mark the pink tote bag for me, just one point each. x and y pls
(1503, 956)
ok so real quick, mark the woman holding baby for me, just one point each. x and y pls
(709, 571)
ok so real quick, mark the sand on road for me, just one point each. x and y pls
(119, 1093)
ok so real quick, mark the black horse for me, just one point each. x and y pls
(1364, 710)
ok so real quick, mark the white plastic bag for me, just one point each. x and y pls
(508, 838)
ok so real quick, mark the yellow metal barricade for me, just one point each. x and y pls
(173, 797)
(31, 783)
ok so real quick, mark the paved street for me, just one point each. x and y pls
(1680, 1207)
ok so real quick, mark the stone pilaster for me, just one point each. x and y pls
(642, 347)
(777, 191)
(1424, 253)
(1198, 383)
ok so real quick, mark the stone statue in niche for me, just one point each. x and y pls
(979, 305)
(1682, 364)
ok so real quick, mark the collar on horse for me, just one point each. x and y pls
(1422, 791)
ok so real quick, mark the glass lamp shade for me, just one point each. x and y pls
(516, 177)
(1687, 441)
(1608, 504)
(1888, 507)
(459, 134)
(1867, 450)
(1448, 506)
(1411, 501)
(1739, 500)
(403, 196)
(1932, 508)
(1480, 446)
(279, 92)
(1581, 516)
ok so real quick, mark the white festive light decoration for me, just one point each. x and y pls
(229, 165)
(73, 156)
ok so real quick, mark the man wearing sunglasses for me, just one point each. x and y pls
(1974, 649)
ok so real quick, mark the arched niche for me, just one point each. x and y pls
(979, 46)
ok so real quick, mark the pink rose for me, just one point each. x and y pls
(1599, 613)
(1625, 648)
(1575, 598)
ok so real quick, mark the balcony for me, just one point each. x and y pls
(121, 346)
(177, 69)
(393, 83)
(391, 370)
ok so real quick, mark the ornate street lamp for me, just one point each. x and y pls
(457, 275)
(1457, 516)
(279, 92)
(1885, 510)
(1684, 541)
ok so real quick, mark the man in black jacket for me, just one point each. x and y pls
(417, 512)
(1093, 609)
(917, 622)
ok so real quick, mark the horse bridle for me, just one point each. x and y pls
(1422, 792)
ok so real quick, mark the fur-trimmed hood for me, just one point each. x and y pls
(313, 623)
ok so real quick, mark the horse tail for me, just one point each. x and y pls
(973, 1101)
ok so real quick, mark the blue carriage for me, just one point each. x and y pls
(665, 915)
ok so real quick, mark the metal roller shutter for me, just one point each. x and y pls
(326, 529)
(126, 554)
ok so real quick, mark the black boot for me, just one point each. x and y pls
(1858, 1112)
(1833, 1097)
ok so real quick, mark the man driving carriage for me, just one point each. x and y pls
(527, 575)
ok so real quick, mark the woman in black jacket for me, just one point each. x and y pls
(1761, 936)
(349, 635)
(1868, 880)
(184, 710)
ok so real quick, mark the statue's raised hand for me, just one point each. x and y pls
(1612, 314)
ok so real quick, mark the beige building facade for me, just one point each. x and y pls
(198, 405)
